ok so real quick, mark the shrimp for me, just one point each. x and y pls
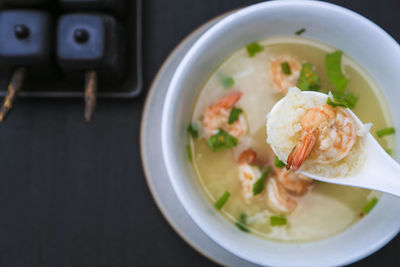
(216, 117)
(248, 174)
(247, 157)
(294, 183)
(281, 187)
(328, 134)
(281, 81)
(278, 198)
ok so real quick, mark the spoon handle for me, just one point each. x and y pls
(381, 172)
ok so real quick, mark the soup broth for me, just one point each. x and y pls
(326, 209)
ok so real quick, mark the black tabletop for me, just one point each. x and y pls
(74, 194)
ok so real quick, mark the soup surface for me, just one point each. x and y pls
(325, 209)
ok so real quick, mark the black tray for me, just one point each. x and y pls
(61, 86)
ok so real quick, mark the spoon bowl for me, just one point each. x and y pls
(379, 171)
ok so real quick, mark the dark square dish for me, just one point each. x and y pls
(34, 47)
(92, 41)
(60, 85)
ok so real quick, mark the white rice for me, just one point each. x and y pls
(284, 131)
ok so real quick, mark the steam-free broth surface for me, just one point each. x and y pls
(326, 209)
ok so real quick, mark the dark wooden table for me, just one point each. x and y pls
(74, 194)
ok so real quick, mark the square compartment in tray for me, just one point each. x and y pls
(60, 85)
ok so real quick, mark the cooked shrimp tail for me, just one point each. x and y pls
(295, 183)
(248, 156)
(301, 151)
(228, 101)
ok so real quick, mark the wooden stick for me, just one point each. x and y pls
(17, 80)
(90, 93)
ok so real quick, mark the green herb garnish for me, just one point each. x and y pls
(193, 130)
(385, 131)
(368, 207)
(222, 200)
(277, 220)
(300, 32)
(389, 151)
(342, 99)
(259, 185)
(334, 71)
(279, 163)
(309, 79)
(221, 140)
(189, 152)
(254, 48)
(234, 115)
(241, 223)
(336, 103)
(286, 68)
(226, 81)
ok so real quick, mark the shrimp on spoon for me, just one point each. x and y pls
(326, 136)
(327, 132)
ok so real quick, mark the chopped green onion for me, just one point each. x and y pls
(222, 200)
(193, 130)
(234, 115)
(385, 131)
(368, 207)
(259, 185)
(189, 153)
(241, 223)
(228, 82)
(335, 103)
(277, 220)
(309, 79)
(279, 163)
(253, 49)
(334, 71)
(342, 99)
(221, 140)
(286, 68)
(389, 151)
(301, 31)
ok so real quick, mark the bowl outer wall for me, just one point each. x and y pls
(327, 23)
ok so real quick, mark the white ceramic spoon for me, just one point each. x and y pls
(379, 172)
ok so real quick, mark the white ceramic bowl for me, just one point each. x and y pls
(368, 44)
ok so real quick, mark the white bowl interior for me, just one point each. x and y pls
(358, 37)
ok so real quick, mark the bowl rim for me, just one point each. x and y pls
(361, 253)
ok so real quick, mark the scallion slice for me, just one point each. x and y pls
(189, 152)
(279, 163)
(254, 48)
(368, 207)
(193, 130)
(222, 200)
(259, 185)
(286, 68)
(277, 220)
(234, 115)
(385, 131)
(300, 32)
(242, 223)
